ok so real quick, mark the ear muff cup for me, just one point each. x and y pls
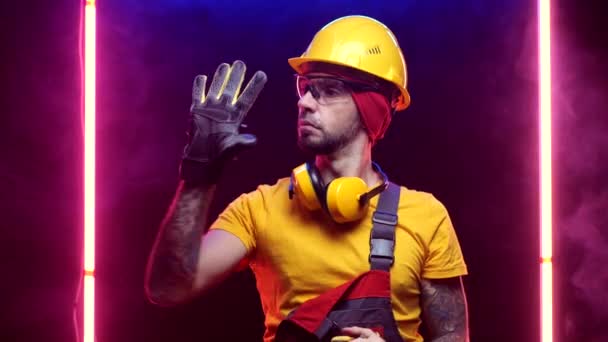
(304, 189)
(342, 199)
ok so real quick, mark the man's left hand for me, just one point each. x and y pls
(362, 334)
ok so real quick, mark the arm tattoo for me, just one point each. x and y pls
(444, 310)
(174, 257)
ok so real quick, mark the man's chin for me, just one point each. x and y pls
(308, 145)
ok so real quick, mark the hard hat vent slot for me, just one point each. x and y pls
(374, 51)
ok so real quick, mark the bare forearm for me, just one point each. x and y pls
(174, 256)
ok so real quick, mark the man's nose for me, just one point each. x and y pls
(307, 102)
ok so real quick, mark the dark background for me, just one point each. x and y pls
(469, 137)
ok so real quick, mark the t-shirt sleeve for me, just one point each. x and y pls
(444, 259)
(239, 219)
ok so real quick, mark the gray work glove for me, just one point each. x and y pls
(213, 136)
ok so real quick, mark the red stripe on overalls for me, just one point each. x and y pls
(310, 314)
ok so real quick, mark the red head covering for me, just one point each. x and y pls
(375, 111)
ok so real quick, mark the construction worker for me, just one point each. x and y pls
(338, 250)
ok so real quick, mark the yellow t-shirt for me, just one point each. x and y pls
(297, 254)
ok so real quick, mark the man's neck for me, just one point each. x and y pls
(353, 160)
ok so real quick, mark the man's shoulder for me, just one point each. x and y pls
(270, 190)
(418, 198)
(280, 185)
(416, 195)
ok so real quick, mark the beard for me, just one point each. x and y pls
(324, 142)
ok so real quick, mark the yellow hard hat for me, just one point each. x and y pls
(361, 43)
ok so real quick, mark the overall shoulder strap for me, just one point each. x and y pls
(382, 237)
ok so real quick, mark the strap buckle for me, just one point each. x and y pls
(382, 249)
(383, 217)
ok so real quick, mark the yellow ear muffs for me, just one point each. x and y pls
(303, 187)
(343, 199)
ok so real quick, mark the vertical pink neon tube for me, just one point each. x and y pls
(89, 173)
(546, 238)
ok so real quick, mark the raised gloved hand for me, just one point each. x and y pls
(215, 120)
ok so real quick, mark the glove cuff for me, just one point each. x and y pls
(196, 173)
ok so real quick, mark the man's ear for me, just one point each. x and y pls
(395, 98)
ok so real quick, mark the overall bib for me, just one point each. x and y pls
(364, 301)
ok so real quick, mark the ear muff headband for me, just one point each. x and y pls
(378, 189)
(317, 184)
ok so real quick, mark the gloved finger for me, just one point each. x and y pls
(235, 79)
(219, 79)
(251, 92)
(198, 89)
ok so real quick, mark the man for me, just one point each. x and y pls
(307, 235)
